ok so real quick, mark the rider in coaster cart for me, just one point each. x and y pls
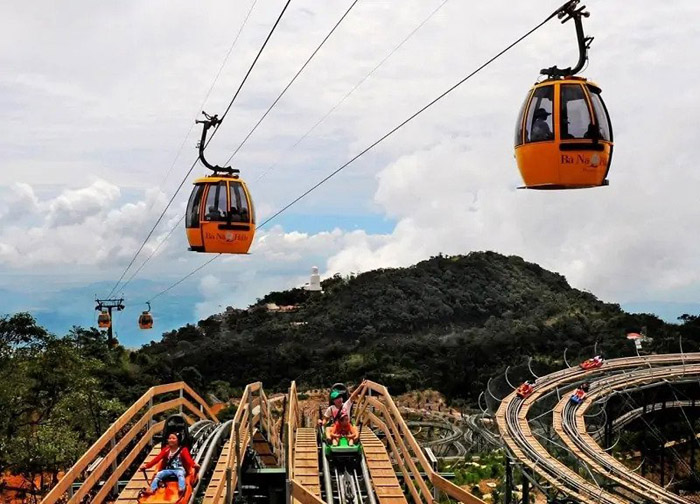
(343, 429)
(341, 405)
(525, 389)
(176, 462)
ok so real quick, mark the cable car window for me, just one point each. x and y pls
(216, 205)
(519, 124)
(601, 114)
(192, 214)
(538, 126)
(575, 116)
(239, 203)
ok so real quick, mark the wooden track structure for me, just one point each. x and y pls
(253, 417)
(254, 427)
(384, 481)
(305, 464)
(375, 408)
(137, 424)
(570, 425)
(303, 472)
(513, 424)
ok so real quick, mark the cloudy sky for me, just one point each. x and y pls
(98, 100)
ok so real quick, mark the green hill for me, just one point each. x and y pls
(447, 323)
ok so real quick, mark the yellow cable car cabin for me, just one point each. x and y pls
(104, 321)
(563, 138)
(220, 216)
(145, 320)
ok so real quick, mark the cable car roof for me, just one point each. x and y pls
(218, 177)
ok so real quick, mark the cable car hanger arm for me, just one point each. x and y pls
(566, 12)
(209, 122)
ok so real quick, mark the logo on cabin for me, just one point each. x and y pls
(595, 160)
(229, 236)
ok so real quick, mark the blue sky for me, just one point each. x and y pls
(90, 148)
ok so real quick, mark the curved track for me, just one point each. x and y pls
(515, 429)
(570, 425)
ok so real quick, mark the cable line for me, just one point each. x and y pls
(184, 140)
(378, 141)
(265, 114)
(353, 89)
(154, 252)
(211, 88)
(223, 116)
(290, 82)
(202, 266)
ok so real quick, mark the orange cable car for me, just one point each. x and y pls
(563, 137)
(146, 319)
(220, 217)
(104, 321)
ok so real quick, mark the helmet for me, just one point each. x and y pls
(335, 394)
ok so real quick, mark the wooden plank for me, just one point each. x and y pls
(218, 476)
(128, 460)
(388, 486)
(306, 471)
(137, 482)
(302, 495)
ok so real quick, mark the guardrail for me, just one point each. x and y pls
(140, 421)
(376, 408)
(253, 414)
(295, 490)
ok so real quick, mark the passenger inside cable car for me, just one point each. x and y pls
(580, 394)
(525, 389)
(541, 130)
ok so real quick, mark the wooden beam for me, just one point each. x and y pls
(303, 495)
(114, 477)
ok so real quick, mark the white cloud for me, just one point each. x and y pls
(118, 108)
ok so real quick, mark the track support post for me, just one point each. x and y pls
(526, 488)
(508, 498)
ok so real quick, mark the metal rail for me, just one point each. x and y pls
(513, 424)
(570, 425)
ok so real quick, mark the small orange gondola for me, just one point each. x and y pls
(104, 321)
(220, 217)
(146, 319)
(563, 136)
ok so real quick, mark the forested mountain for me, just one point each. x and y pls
(448, 323)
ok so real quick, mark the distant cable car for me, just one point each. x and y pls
(104, 321)
(146, 319)
(563, 137)
(220, 217)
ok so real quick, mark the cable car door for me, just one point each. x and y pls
(213, 213)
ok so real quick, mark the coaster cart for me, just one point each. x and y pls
(168, 492)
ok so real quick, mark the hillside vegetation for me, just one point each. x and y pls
(447, 323)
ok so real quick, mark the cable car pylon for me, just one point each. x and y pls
(104, 319)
